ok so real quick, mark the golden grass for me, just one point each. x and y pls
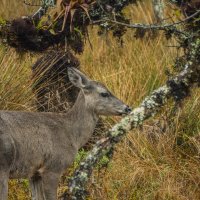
(15, 79)
(158, 161)
(11, 9)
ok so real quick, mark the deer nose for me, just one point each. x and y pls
(128, 109)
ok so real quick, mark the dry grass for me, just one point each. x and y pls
(11, 9)
(15, 78)
(159, 161)
(16, 94)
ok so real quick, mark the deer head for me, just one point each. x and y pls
(97, 96)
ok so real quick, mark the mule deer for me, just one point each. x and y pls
(40, 146)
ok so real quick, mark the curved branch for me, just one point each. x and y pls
(177, 87)
(148, 26)
(148, 108)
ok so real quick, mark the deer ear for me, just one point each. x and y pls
(77, 78)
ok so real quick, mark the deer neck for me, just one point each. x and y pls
(82, 120)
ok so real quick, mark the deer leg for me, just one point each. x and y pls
(4, 185)
(50, 184)
(37, 188)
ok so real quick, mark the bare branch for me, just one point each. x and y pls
(147, 26)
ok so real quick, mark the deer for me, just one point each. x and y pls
(41, 146)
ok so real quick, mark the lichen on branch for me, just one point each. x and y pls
(148, 108)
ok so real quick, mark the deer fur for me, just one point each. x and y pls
(40, 146)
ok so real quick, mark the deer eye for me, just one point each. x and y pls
(104, 94)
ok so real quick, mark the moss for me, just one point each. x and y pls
(19, 190)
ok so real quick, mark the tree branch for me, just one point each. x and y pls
(147, 26)
(148, 108)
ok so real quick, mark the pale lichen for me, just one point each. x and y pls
(149, 107)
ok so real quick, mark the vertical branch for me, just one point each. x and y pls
(158, 8)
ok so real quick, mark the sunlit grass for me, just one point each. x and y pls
(15, 81)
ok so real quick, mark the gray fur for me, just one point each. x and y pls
(40, 146)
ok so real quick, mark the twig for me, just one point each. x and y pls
(147, 26)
